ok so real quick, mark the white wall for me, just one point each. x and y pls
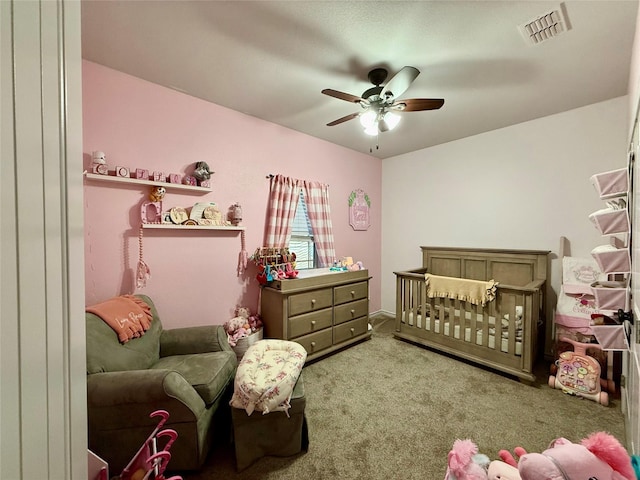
(519, 187)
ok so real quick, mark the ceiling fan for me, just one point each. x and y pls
(380, 102)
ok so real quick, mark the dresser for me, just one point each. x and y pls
(321, 310)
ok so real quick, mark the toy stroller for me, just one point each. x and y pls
(150, 462)
(578, 373)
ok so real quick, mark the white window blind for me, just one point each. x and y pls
(301, 242)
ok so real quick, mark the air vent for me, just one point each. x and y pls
(545, 26)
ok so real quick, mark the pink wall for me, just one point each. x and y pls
(193, 274)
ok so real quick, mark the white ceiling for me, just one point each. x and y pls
(271, 59)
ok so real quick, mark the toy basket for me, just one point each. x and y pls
(610, 221)
(242, 344)
(612, 183)
(611, 259)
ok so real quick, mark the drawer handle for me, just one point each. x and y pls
(353, 330)
(353, 312)
(313, 345)
(313, 301)
(313, 323)
(353, 293)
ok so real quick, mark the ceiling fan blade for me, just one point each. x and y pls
(343, 119)
(400, 81)
(341, 95)
(418, 104)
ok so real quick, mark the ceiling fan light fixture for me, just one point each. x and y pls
(392, 119)
(368, 119)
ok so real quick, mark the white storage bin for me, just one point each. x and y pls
(611, 184)
(611, 259)
(611, 221)
(610, 295)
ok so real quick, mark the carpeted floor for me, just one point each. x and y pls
(388, 409)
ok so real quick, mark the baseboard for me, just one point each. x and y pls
(381, 314)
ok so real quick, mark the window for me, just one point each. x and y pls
(301, 242)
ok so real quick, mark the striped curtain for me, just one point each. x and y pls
(316, 196)
(283, 201)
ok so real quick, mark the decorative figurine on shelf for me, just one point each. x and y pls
(151, 212)
(190, 180)
(202, 172)
(99, 163)
(159, 177)
(122, 172)
(157, 194)
(235, 214)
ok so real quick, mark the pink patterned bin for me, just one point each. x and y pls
(610, 221)
(611, 259)
(611, 295)
(611, 337)
(611, 184)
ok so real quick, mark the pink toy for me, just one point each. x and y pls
(600, 456)
(499, 470)
(465, 463)
(578, 373)
(507, 467)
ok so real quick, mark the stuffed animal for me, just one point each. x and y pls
(238, 326)
(599, 456)
(465, 463)
(157, 194)
(499, 470)
(202, 171)
(507, 468)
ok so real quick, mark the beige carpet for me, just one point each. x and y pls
(388, 409)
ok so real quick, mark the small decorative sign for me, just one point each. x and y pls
(142, 174)
(159, 177)
(359, 205)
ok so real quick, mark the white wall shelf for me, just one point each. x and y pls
(136, 181)
(169, 226)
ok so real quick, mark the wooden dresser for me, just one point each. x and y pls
(323, 311)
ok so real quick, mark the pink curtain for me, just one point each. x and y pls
(283, 200)
(316, 196)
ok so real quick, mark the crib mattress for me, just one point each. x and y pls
(504, 340)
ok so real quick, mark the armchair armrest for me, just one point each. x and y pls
(191, 340)
(130, 396)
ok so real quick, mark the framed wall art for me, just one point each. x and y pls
(359, 204)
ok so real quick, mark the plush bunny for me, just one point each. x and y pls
(599, 456)
(465, 463)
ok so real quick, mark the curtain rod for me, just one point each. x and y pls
(271, 175)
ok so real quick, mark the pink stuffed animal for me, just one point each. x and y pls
(465, 463)
(600, 456)
(507, 468)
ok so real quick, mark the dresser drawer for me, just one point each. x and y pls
(350, 330)
(310, 301)
(349, 311)
(348, 293)
(314, 342)
(309, 323)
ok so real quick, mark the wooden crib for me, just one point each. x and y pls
(502, 334)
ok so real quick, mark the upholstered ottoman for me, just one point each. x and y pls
(269, 402)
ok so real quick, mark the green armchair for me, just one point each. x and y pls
(188, 372)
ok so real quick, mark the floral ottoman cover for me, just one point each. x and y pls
(266, 376)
